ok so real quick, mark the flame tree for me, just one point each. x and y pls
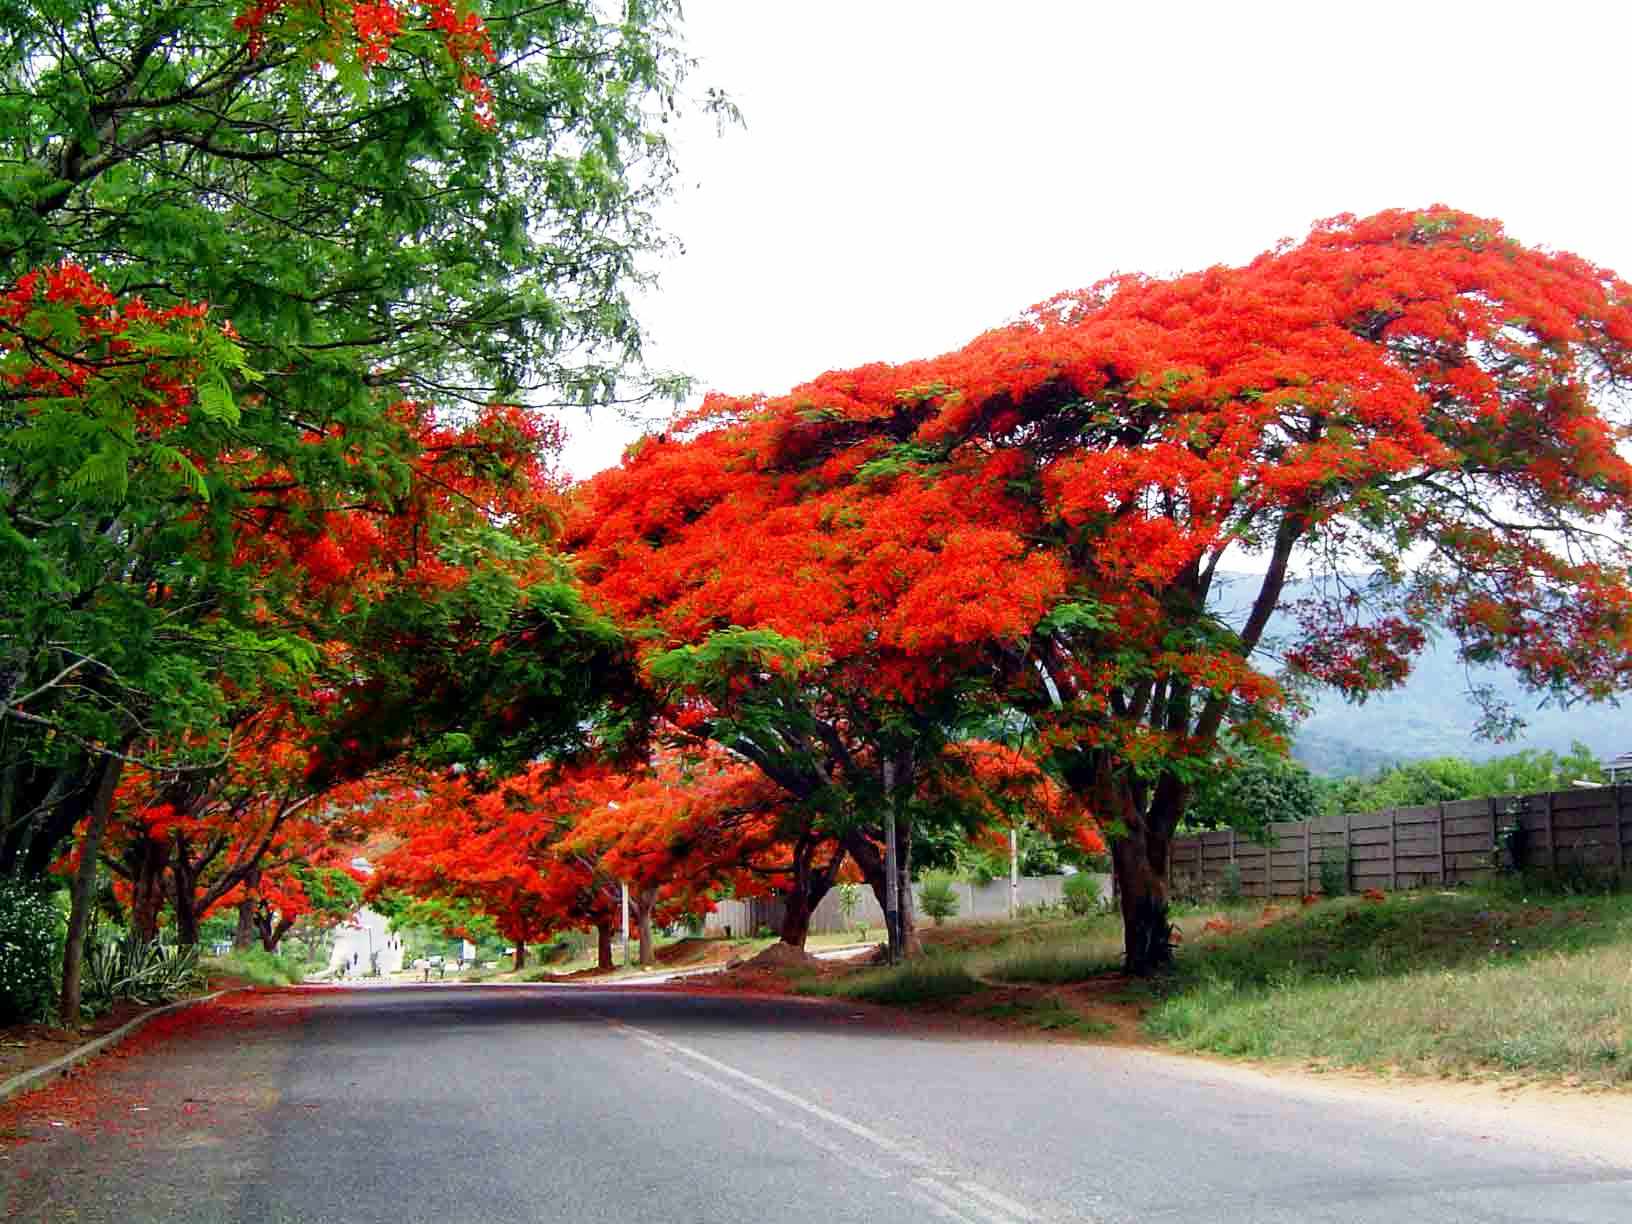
(1416, 412)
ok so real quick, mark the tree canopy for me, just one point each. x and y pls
(1413, 398)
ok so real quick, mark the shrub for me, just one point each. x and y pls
(1230, 890)
(849, 902)
(937, 898)
(1334, 873)
(31, 935)
(1082, 894)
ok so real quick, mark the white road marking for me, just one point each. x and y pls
(742, 1098)
(943, 1190)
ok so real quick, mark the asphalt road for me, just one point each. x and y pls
(443, 1105)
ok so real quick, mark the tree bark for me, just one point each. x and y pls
(84, 895)
(603, 947)
(243, 938)
(869, 860)
(247, 931)
(796, 916)
(1139, 863)
(645, 902)
(147, 859)
(519, 958)
(811, 882)
(184, 894)
(272, 932)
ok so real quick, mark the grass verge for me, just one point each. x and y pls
(1502, 979)
(261, 968)
(1440, 983)
(931, 979)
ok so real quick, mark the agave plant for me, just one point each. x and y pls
(130, 968)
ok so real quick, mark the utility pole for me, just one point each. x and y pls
(892, 879)
(1014, 871)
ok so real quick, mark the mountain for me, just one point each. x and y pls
(1432, 714)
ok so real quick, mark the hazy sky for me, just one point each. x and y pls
(915, 171)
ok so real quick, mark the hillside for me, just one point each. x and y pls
(1432, 715)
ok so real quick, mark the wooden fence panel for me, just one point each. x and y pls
(1443, 843)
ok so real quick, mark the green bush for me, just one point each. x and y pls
(1230, 890)
(31, 937)
(1082, 894)
(1334, 873)
(937, 898)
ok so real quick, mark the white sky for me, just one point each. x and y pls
(915, 171)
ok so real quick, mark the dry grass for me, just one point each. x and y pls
(1494, 981)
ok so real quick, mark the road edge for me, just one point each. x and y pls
(27, 1081)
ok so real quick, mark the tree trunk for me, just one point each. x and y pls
(796, 916)
(272, 933)
(603, 947)
(869, 860)
(84, 894)
(811, 882)
(519, 960)
(908, 920)
(183, 895)
(244, 936)
(147, 859)
(645, 903)
(1139, 861)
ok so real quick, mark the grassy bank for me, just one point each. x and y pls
(256, 966)
(1458, 984)
(1496, 980)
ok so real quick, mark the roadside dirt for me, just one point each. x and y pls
(26, 1046)
(82, 1100)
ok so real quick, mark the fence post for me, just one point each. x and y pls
(1495, 840)
(1308, 825)
(1444, 875)
(1620, 848)
(1617, 827)
(1348, 851)
(1393, 856)
(1552, 842)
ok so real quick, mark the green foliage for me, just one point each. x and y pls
(125, 967)
(31, 936)
(938, 897)
(1255, 788)
(504, 256)
(333, 892)
(1229, 888)
(1040, 854)
(1081, 894)
(1445, 779)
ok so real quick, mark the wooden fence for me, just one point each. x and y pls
(1442, 843)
